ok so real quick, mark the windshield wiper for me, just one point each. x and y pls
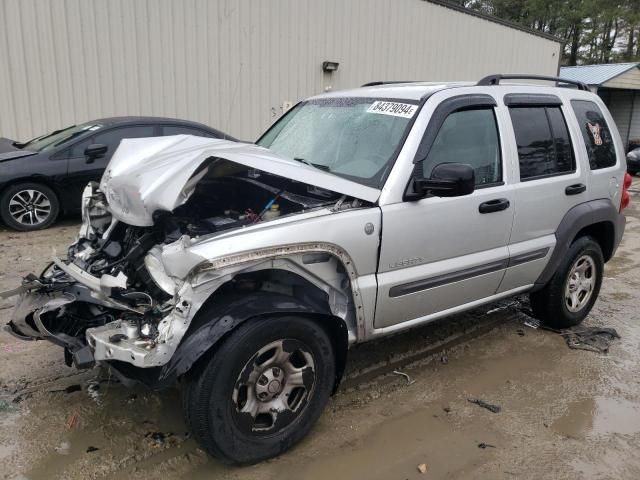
(324, 168)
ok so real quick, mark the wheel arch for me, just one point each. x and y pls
(599, 219)
(222, 314)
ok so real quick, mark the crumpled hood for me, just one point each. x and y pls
(149, 174)
(9, 151)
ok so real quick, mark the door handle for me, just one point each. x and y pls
(494, 205)
(575, 189)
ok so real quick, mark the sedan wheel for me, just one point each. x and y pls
(28, 206)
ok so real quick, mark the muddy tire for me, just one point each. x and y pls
(262, 390)
(29, 206)
(570, 294)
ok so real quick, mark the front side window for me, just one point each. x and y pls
(544, 146)
(470, 137)
(356, 138)
(596, 134)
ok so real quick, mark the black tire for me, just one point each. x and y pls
(214, 396)
(31, 221)
(550, 304)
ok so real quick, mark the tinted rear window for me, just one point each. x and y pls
(544, 147)
(596, 134)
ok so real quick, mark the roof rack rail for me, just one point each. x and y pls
(387, 82)
(495, 79)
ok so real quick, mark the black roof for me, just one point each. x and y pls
(134, 120)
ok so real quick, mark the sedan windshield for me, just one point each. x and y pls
(58, 137)
(356, 138)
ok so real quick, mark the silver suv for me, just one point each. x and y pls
(244, 272)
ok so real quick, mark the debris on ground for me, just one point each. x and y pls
(73, 388)
(446, 409)
(64, 448)
(158, 438)
(6, 407)
(532, 323)
(422, 468)
(410, 381)
(485, 445)
(594, 339)
(483, 404)
(92, 449)
(444, 359)
(520, 332)
(72, 421)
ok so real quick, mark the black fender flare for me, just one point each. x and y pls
(220, 316)
(576, 219)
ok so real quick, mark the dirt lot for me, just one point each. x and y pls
(564, 413)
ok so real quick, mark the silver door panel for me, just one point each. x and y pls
(526, 261)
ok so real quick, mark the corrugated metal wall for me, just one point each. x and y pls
(231, 63)
(624, 106)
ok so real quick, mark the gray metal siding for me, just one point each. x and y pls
(625, 110)
(232, 63)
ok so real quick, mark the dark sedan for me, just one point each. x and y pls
(45, 176)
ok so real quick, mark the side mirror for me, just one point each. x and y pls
(94, 151)
(447, 180)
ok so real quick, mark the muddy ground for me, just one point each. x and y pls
(564, 413)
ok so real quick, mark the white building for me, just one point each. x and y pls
(235, 64)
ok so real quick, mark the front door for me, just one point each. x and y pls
(83, 170)
(441, 253)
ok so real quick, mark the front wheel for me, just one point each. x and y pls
(29, 206)
(262, 390)
(570, 294)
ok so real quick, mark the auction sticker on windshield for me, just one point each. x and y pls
(396, 109)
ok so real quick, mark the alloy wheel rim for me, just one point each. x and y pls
(274, 386)
(580, 283)
(30, 207)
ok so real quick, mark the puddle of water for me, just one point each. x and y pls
(397, 446)
(599, 416)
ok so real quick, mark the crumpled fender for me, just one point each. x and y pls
(224, 314)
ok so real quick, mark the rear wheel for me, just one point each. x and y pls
(29, 206)
(570, 294)
(262, 390)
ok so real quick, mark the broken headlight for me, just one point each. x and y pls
(158, 275)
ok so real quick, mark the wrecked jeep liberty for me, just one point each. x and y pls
(243, 273)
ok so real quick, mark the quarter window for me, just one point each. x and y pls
(544, 147)
(596, 134)
(471, 137)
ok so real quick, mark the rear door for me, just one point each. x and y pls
(438, 254)
(550, 181)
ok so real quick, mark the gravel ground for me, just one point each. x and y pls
(564, 413)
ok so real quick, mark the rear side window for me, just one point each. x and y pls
(180, 130)
(112, 138)
(471, 137)
(544, 147)
(596, 134)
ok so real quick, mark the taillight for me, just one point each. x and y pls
(624, 199)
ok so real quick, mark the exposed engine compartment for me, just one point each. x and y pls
(106, 282)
